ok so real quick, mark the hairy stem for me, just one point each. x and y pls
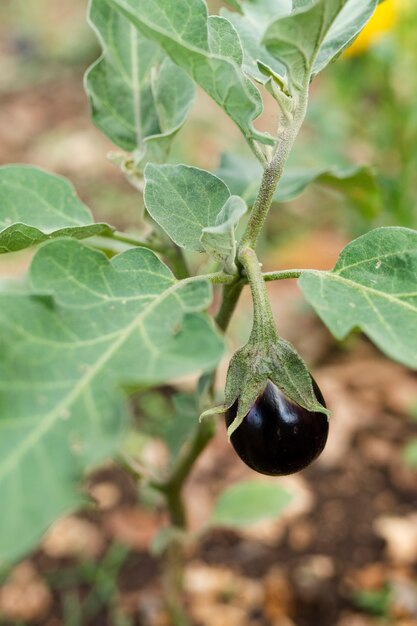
(282, 275)
(172, 489)
(263, 329)
(132, 240)
(272, 174)
(179, 262)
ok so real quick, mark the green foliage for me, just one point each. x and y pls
(172, 420)
(373, 287)
(36, 206)
(66, 355)
(372, 98)
(249, 502)
(376, 602)
(410, 454)
(139, 98)
(258, 63)
(358, 183)
(195, 209)
(314, 34)
(87, 330)
(207, 48)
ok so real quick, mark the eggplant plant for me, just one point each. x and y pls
(103, 313)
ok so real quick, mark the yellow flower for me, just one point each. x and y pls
(380, 23)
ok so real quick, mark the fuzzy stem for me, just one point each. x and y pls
(179, 262)
(132, 240)
(263, 329)
(272, 174)
(282, 275)
(172, 489)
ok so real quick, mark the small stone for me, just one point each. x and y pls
(106, 494)
(25, 597)
(71, 537)
(279, 600)
(301, 536)
(371, 578)
(400, 534)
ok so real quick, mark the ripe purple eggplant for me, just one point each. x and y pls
(279, 437)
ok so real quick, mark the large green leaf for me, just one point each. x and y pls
(194, 207)
(207, 48)
(358, 183)
(139, 97)
(373, 287)
(36, 205)
(250, 27)
(249, 502)
(66, 354)
(314, 34)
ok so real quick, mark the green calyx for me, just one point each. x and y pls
(253, 365)
(265, 357)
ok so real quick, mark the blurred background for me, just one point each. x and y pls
(344, 550)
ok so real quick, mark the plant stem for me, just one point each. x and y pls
(260, 155)
(172, 488)
(231, 295)
(272, 174)
(135, 241)
(177, 258)
(282, 275)
(263, 329)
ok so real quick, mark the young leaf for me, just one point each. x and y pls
(207, 48)
(250, 27)
(219, 240)
(65, 357)
(314, 34)
(372, 287)
(185, 201)
(139, 97)
(36, 205)
(357, 182)
(249, 502)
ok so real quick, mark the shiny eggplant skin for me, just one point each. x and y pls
(277, 436)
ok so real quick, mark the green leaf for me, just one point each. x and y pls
(261, 12)
(314, 34)
(207, 48)
(139, 97)
(36, 206)
(235, 5)
(172, 421)
(250, 27)
(359, 183)
(372, 287)
(97, 326)
(219, 240)
(186, 201)
(249, 502)
(410, 453)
